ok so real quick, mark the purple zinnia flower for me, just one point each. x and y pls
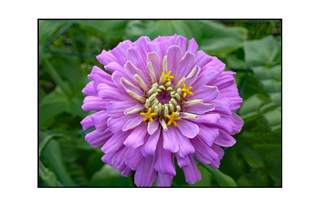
(161, 100)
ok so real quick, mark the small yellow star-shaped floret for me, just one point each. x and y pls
(148, 115)
(172, 119)
(167, 76)
(186, 90)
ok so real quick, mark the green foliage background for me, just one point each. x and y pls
(67, 50)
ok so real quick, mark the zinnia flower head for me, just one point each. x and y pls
(161, 101)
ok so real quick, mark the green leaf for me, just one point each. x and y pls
(52, 154)
(46, 140)
(263, 52)
(262, 72)
(251, 104)
(46, 29)
(154, 28)
(217, 38)
(234, 63)
(274, 119)
(252, 157)
(109, 177)
(52, 104)
(223, 179)
(48, 177)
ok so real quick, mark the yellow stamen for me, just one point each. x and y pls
(167, 76)
(186, 90)
(172, 119)
(148, 115)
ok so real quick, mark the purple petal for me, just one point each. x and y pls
(133, 157)
(164, 163)
(183, 161)
(131, 70)
(132, 123)
(224, 123)
(116, 76)
(126, 172)
(223, 82)
(206, 76)
(100, 120)
(156, 48)
(222, 105)
(202, 59)
(173, 57)
(207, 118)
(153, 126)
(135, 57)
(120, 52)
(115, 142)
(206, 93)
(113, 67)
(131, 87)
(224, 139)
(87, 123)
(115, 124)
(200, 108)
(216, 64)
(220, 152)
(155, 60)
(203, 152)
(190, 80)
(188, 128)
(111, 93)
(185, 65)
(145, 174)
(141, 43)
(181, 42)
(118, 162)
(170, 142)
(105, 77)
(96, 138)
(192, 46)
(93, 103)
(150, 146)
(106, 57)
(136, 138)
(191, 172)
(232, 94)
(237, 121)
(164, 180)
(185, 146)
(116, 108)
(90, 90)
(207, 134)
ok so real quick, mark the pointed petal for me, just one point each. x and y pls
(191, 172)
(115, 124)
(106, 57)
(153, 126)
(185, 65)
(170, 142)
(133, 157)
(150, 146)
(203, 152)
(115, 142)
(224, 139)
(120, 51)
(145, 174)
(131, 70)
(136, 138)
(192, 46)
(132, 123)
(164, 163)
(164, 180)
(90, 90)
(188, 128)
(202, 59)
(96, 138)
(207, 134)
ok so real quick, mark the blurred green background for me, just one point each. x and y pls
(67, 51)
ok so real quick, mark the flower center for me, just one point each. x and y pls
(164, 98)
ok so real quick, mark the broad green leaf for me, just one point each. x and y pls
(276, 97)
(114, 29)
(274, 119)
(52, 104)
(46, 29)
(262, 72)
(252, 158)
(234, 63)
(223, 179)
(41, 54)
(217, 38)
(251, 104)
(263, 52)
(109, 177)
(154, 28)
(52, 154)
(46, 140)
(271, 85)
(48, 177)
